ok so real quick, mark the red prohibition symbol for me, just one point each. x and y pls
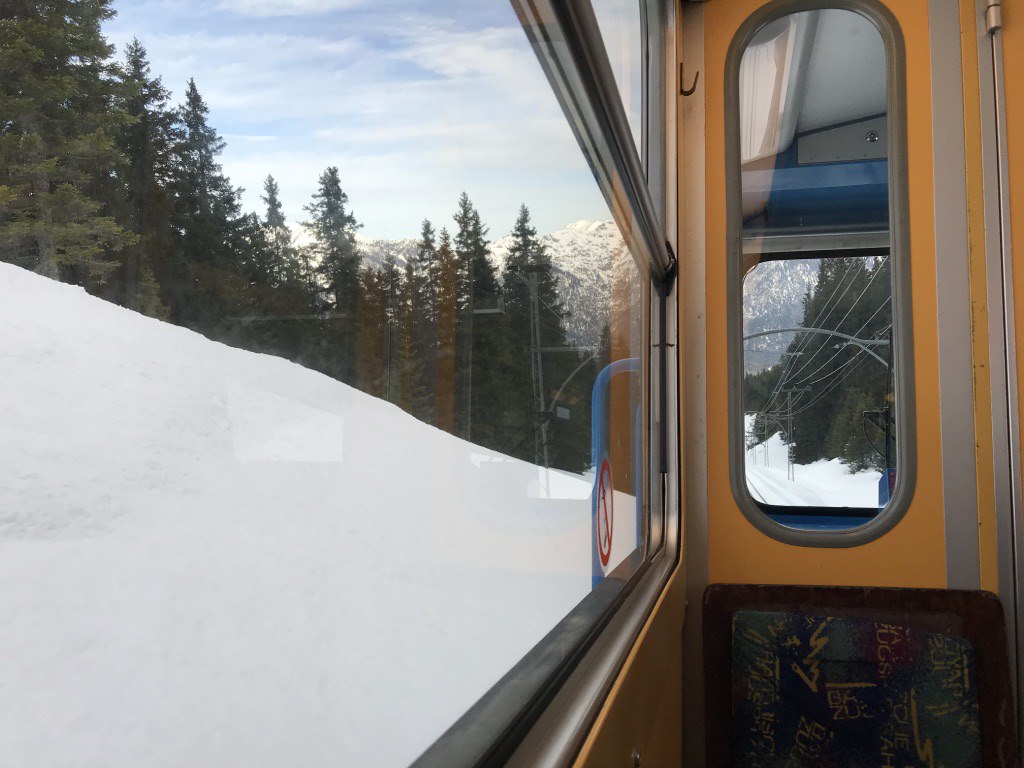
(605, 512)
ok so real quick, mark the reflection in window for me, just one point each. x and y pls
(622, 31)
(818, 363)
(349, 414)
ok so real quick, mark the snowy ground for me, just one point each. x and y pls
(211, 557)
(825, 483)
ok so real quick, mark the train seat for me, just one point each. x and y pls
(856, 676)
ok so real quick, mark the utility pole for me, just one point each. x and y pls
(764, 442)
(469, 354)
(389, 342)
(790, 471)
(791, 452)
(540, 435)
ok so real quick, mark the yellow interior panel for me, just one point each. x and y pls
(913, 553)
(979, 299)
(643, 711)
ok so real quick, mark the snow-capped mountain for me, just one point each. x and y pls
(582, 256)
(585, 255)
(773, 297)
(375, 251)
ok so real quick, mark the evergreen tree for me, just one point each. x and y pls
(847, 437)
(447, 334)
(483, 346)
(394, 285)
(373, 328)
(282, 267)
(146, 142)
(536, 321)
(58, 155)
(336, 259)
(478, 282)
(425, 270)
(206, 204)
(413, 390)
(206, 284)
(525, 419)
(251, 243)
(277, 310)
(422, 291)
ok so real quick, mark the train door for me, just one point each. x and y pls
(845, 375)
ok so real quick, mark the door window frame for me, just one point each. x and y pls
(899, 228)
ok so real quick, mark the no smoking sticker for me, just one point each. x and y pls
(605, 513)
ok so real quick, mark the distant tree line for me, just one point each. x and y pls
(105, 184)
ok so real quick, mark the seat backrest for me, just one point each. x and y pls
(812, 676)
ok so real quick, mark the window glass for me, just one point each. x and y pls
(623, 34)
(818, 349)
(323, 377)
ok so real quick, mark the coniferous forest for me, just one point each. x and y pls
(107, 183)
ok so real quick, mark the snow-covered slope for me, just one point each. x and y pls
(213, 558)
(824, 483)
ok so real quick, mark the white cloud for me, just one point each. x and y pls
(412, 108)
(251, 139)
(278, 8)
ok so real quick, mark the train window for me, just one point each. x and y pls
(622, 28)
(819, 418)
(325, 377)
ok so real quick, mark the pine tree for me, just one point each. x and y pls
(251, 243)
(206, 205)
(478, 283)
(335, 257)
(447, 334)
(392, 284)
(422, 291)
(521, 286)
(425, 270)
(536, 320)
(413, 392)
(373, 331)
(483, 345)
(847, 439)
(276, 307)
(333, 229)
(283, 267)
(58, 155)
(206, 287)
(146, 142)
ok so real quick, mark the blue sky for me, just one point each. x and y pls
(414, 100)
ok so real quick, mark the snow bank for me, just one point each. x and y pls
(212, 557)
(824, 483)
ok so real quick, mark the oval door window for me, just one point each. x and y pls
(820, 429)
